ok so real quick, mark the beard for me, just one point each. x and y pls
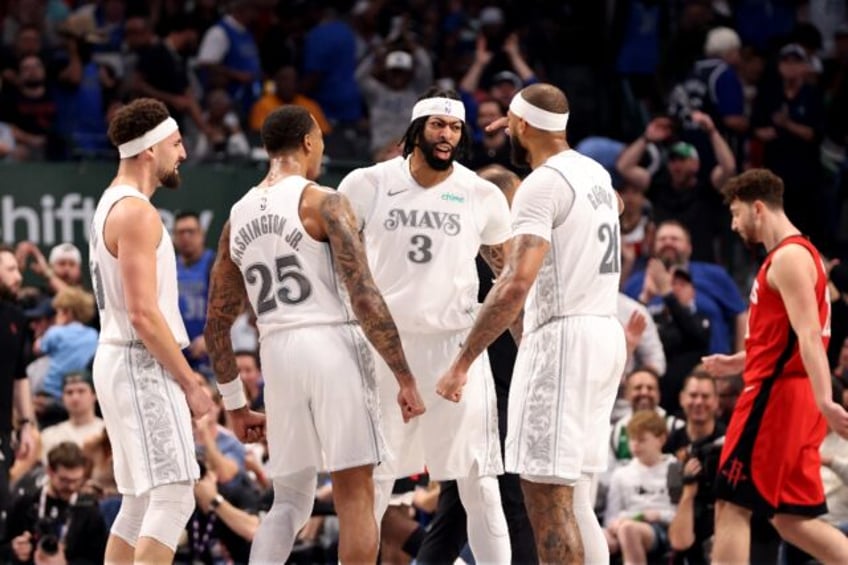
(7, 294)
(170, 179)
(518, 153)
(435, 163)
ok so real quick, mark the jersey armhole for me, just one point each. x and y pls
(561, 217)
(106, 218)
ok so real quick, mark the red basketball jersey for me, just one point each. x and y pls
(770, 343)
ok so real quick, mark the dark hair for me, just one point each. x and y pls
(547, 97)
(755, 184)
(284, 129)
(643, 369)
(678, 224)
(67, 454)
(6, 248)
(185, 214)
(647, 422)
(495, 101)
(249, 353)
(135, 119)
(416, 129)
(500, 176)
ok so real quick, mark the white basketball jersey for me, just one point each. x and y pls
(115, 326)
(289, 276)
(422, 242)
(569, 201)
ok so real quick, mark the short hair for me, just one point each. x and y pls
(500, 176)
(755, 184)
(642, 369)
(135, 119)
(284, 129)
(184, 214)
(416, 127)
(675, 223)
(249, 353)
(699, 375)
(76, 377)
(6, 248)
(77, 301)
(490, 100)
(646, 421)
(547, 97)
(67, 454)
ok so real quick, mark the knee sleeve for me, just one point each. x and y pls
(488, 535)
(294, 496)
(127, 524)
(168, 512)
(595, 547)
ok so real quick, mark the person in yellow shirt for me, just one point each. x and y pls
(283, 90)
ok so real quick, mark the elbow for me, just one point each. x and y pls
(514, 291)
(141, 319)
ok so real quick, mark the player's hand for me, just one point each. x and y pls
(500, 123)
(199, 400)
(248, 425)
(410, 402)
(720, 365)
(836, 416)
(703, 121)
(450, 385)
(26, 442)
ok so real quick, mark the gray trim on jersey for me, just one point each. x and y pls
(573, 198)
(172, 404)
(137, 407)
(561, 388)
(367, 373)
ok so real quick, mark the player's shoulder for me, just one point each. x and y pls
(465, 178)
(372, 174)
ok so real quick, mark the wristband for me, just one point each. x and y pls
(216, 502)
(232, 393)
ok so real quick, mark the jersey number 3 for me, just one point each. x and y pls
(611, 262)
(294, 287)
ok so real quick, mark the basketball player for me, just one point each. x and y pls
(425, 217)
(143, 382)
(565, 256)
(281, 245)
(770, 462)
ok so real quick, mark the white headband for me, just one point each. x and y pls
(537, 117)
(437, 106)
(135, 146)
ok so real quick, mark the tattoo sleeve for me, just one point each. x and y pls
(504, 303)
(495, 256)
(226, 298)
(351, 265)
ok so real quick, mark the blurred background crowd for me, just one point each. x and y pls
(672, 96)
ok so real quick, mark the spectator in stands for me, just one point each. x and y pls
(391, 84)
(250, 371)
(329, 66)
(677, 191)
(492, 148)
(161, 67)
(697, 447)
(789, 120)
(714, 88)
(839, 316)
(229, 58)
(28, 41)
(684, 331)
(642, 392)
(504, 83)
(716, 295)
(644, 348)
(83, 92)
(101, 476)
(194, 262)
(284, 90)
(637, 229)
(217, 447)
(223, 139)
(63, 269)
(728, 389)
(56, 518)
(69, 343)
(7, 142)
(28, 106)
(79, 400)
(638, 507)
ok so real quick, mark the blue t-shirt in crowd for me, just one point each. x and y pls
(716, 296)
(330, 50)
(70, 348)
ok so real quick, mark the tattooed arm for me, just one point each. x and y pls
(495, 255)
(226, 298)
(502, 306)
(351, 264)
